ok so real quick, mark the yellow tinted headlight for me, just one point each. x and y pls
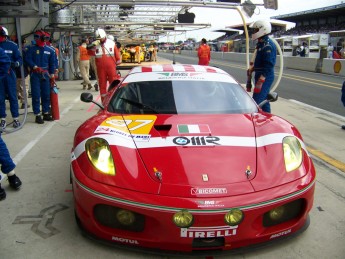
(233, 217)
(292, 153)
(183, 219)
(98, 152)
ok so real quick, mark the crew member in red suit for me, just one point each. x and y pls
(107, 57)
(204, 53)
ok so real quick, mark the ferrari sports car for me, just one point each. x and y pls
(180, 159)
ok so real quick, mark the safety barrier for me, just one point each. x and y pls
(326, 66)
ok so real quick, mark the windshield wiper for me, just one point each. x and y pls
(139, 105)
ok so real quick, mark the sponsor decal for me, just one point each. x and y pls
(196, 141)
(125, 240)
(207, 204)
(181, 75)
(136, 127)
(281, 234)
(202, 128)
(207, 191)
(337, 67)
(208, 232)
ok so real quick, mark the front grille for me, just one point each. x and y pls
(106, 216)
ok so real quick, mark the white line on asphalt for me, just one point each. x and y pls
(32, 143)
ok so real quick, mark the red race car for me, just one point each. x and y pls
(180, 159)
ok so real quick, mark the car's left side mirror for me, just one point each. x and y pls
(271, 97)
(88, 98)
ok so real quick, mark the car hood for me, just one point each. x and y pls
(201, 155)
(193, 155)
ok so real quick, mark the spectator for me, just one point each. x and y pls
(137, 53)
(83, 59)
(92, 54)
(303, 50)
(330, 49)
(6, 162)
(21, 82)
(343, 99)
(151, 49)
(154, 53)
(8, 85)
(204, 53)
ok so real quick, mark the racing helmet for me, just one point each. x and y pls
(261, 28)
(3, 31)
(100, 34)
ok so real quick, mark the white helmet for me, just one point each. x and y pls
(110, 37)
(3, 31)
(262, 27)
(100, 34)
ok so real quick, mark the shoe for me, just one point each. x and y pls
(39, 119)
(2, 194)
(343, 127)
(89, 87)
(14, 181)
(96, 87)
(23, 106)
(84, 87)
(47, 117)
(16, 123)
(3, 124)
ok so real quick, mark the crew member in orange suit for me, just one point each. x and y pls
(107, 57)
(204, 53)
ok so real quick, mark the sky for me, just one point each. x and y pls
(221, 18)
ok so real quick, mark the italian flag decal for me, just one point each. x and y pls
(193, 128)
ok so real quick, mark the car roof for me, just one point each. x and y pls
(176, 68)
(178, 72)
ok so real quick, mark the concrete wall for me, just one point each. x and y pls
(327, 66)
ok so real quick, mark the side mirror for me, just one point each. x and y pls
(271, 97)
(86, 97)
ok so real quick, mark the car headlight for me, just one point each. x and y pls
(183, 219)
(233, 217)
(98, 152)
(292, 153)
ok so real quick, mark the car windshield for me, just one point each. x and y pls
(181, 97)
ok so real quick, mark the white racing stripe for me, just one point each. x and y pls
(228, 141)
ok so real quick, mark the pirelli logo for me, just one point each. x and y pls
(208, 191)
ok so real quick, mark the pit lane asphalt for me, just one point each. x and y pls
(38, 220)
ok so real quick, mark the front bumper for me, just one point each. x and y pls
(209, 233)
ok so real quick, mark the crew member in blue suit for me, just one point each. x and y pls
(8, 85)
(6, 162)
(41, 60)
(264, 63)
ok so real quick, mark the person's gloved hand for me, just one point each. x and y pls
(258, 85)
(96, 42)
(249, 85)
(15, 64)
(37, 70)
(250, 69)
(52, 80)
